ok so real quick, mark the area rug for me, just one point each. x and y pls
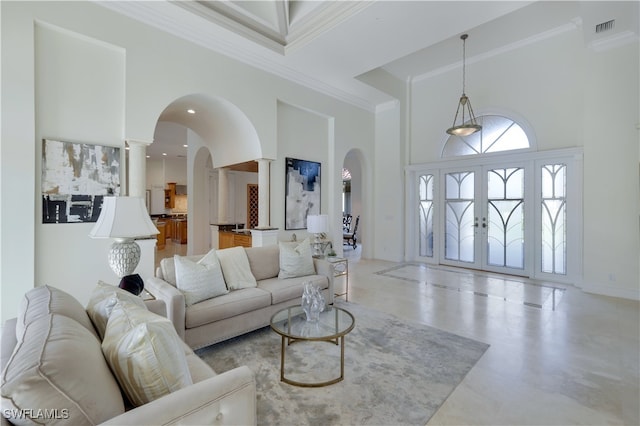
(396, 372)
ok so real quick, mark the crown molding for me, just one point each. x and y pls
(331, 14)
(259, 32)
(571, 26)
(613, 41)
(386, 106)
(162, 15)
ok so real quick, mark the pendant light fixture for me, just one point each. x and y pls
(464, 128)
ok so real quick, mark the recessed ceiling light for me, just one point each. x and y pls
(148, 156)
(191, 111)
(164, 153)
(185, 145)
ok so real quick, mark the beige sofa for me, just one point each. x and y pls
(54, 371)
(238, 311)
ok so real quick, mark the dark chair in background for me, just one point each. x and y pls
(350, 238)
(346, 222)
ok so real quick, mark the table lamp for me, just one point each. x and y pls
(318, 225)
(123, 219)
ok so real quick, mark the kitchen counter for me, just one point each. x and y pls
(234, 238)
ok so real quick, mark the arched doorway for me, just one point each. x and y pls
(208, 133)
(352, 202)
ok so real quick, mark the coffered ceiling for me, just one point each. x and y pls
(280, 25)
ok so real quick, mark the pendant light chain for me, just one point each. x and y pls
(464, 104)
(464, 62)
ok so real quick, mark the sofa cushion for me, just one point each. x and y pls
(168, 268)
(58, 365)
(103, 298)
(264, 261)
(145, 353)
(45, 300)
(227, 306)
(235, 268)
(295, 260)
(200, 280)
(290, 289)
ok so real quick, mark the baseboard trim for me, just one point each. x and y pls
(613, 291)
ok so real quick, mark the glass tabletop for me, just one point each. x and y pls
(292, 322)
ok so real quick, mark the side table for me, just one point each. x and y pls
(340, 266)
(154, 305)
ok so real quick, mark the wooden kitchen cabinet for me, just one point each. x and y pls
(170, 231)
(161, 238)
(228, 239)
(181, 231)
(242, 240)
(170, 196)
(225, 239)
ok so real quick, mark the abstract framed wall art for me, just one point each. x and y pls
(75, 178)
(302, 192)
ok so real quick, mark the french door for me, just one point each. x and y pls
(484, 217)
(519, 214)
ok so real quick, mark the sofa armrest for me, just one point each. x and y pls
(173, 300)
(323, 267)
(226, 399)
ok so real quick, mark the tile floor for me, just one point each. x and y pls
(558, 356)
(575, 361)
(171, 248)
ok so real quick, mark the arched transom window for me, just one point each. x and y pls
(498, 134)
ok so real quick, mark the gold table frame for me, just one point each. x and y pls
(296, 313)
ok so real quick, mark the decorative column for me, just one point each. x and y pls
(137, 179)
(223, 195)
(137, 182)
(263, 193)
(263, 234)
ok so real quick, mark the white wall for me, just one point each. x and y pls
(148, 71)
(79, 96)
(611, 175)
(388, 214)
(303, 135)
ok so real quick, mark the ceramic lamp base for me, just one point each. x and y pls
(124, 256)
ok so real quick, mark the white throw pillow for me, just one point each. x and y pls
(200, 280)
(103, 298)
(296, 260)
(45, 300)
(58, 365)
(236, 269)
(145, 353)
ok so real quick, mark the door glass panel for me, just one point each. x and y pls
(459, 211)
(425, 215)
(505, 205)
(554, 212)
(498, 134)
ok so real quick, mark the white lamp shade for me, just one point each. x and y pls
(317, 224)
(123, 217)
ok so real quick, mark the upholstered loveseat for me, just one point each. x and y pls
(58, 369)
(278, 283)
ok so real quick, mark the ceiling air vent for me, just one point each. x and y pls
(605, 26)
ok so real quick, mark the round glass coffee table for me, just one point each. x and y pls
(291, 323)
